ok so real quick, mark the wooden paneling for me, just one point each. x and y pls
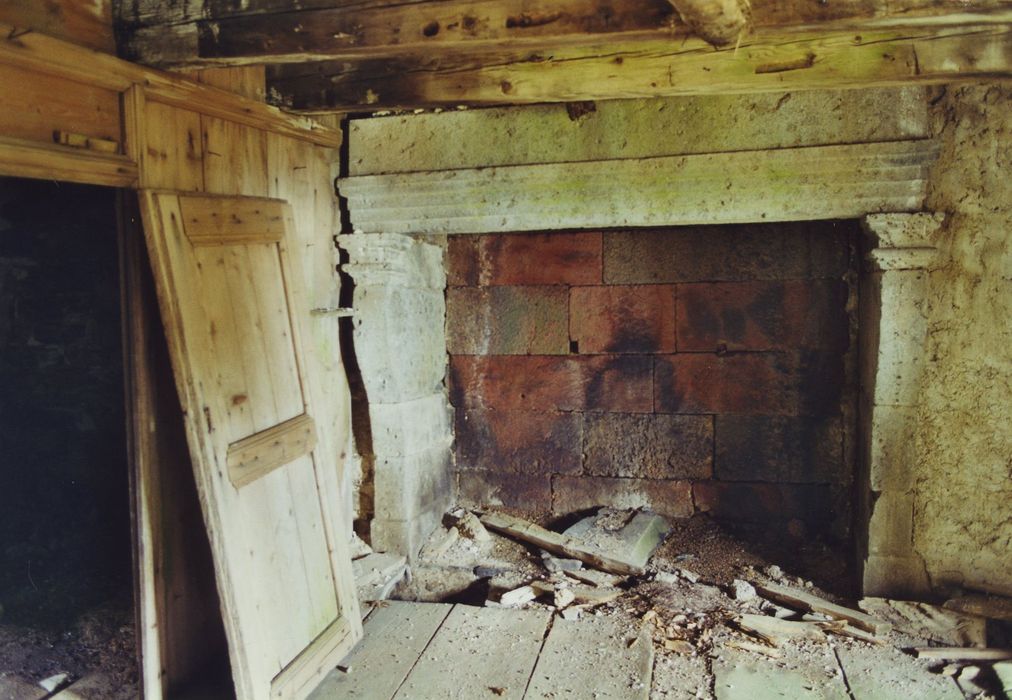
(173, 148)
(49, 56)
(85, 23)
(248, 81)
(35, 106)
(235, 158)
(21, 158)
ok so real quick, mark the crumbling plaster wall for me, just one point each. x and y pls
(963, 434)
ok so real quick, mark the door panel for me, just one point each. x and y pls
(232, 313)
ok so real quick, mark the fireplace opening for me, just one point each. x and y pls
(66, 583)
(705, 372)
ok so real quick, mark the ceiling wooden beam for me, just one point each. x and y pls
(355, 55)
(202, 32)
(627, 67)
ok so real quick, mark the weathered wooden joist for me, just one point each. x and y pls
(194, 32)
(825, 182)
(631, 67)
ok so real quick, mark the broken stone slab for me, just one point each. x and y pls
(638, 538)
(470, 527)
(518, 596)
(437, 548)
(564, 597)
(54, 682)
(742, 590)
(357, 547)
(377, 574)
(627, 552)
(774, 572)
(557, 565)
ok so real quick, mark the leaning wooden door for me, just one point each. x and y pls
(232, 308)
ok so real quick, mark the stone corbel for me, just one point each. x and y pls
(901, 241)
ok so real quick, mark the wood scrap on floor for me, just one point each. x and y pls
(963, 654)
(989, 606)
(811, 603)
(929, 622)
(775, 631)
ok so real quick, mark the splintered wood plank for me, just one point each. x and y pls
(594, 657)
(479, 653)
(885, 672)
(806, 602)
(396, 633)
(557, 543)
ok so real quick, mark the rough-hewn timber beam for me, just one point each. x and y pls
(195, 32)
(623, 67)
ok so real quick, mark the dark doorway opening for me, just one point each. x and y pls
(66, 580)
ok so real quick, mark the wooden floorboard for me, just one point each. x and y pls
(594, 657)
(395, 636)
(814, 675)
(479, 653)
(885, 672)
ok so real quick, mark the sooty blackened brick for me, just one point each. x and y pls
(618, 383)
(530, 442)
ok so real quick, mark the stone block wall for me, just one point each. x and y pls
(688, 369)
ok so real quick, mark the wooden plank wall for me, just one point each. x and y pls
(184, 150)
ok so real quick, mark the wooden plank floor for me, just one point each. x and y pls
(414, 651)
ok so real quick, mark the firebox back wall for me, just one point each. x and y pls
(695, 369)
